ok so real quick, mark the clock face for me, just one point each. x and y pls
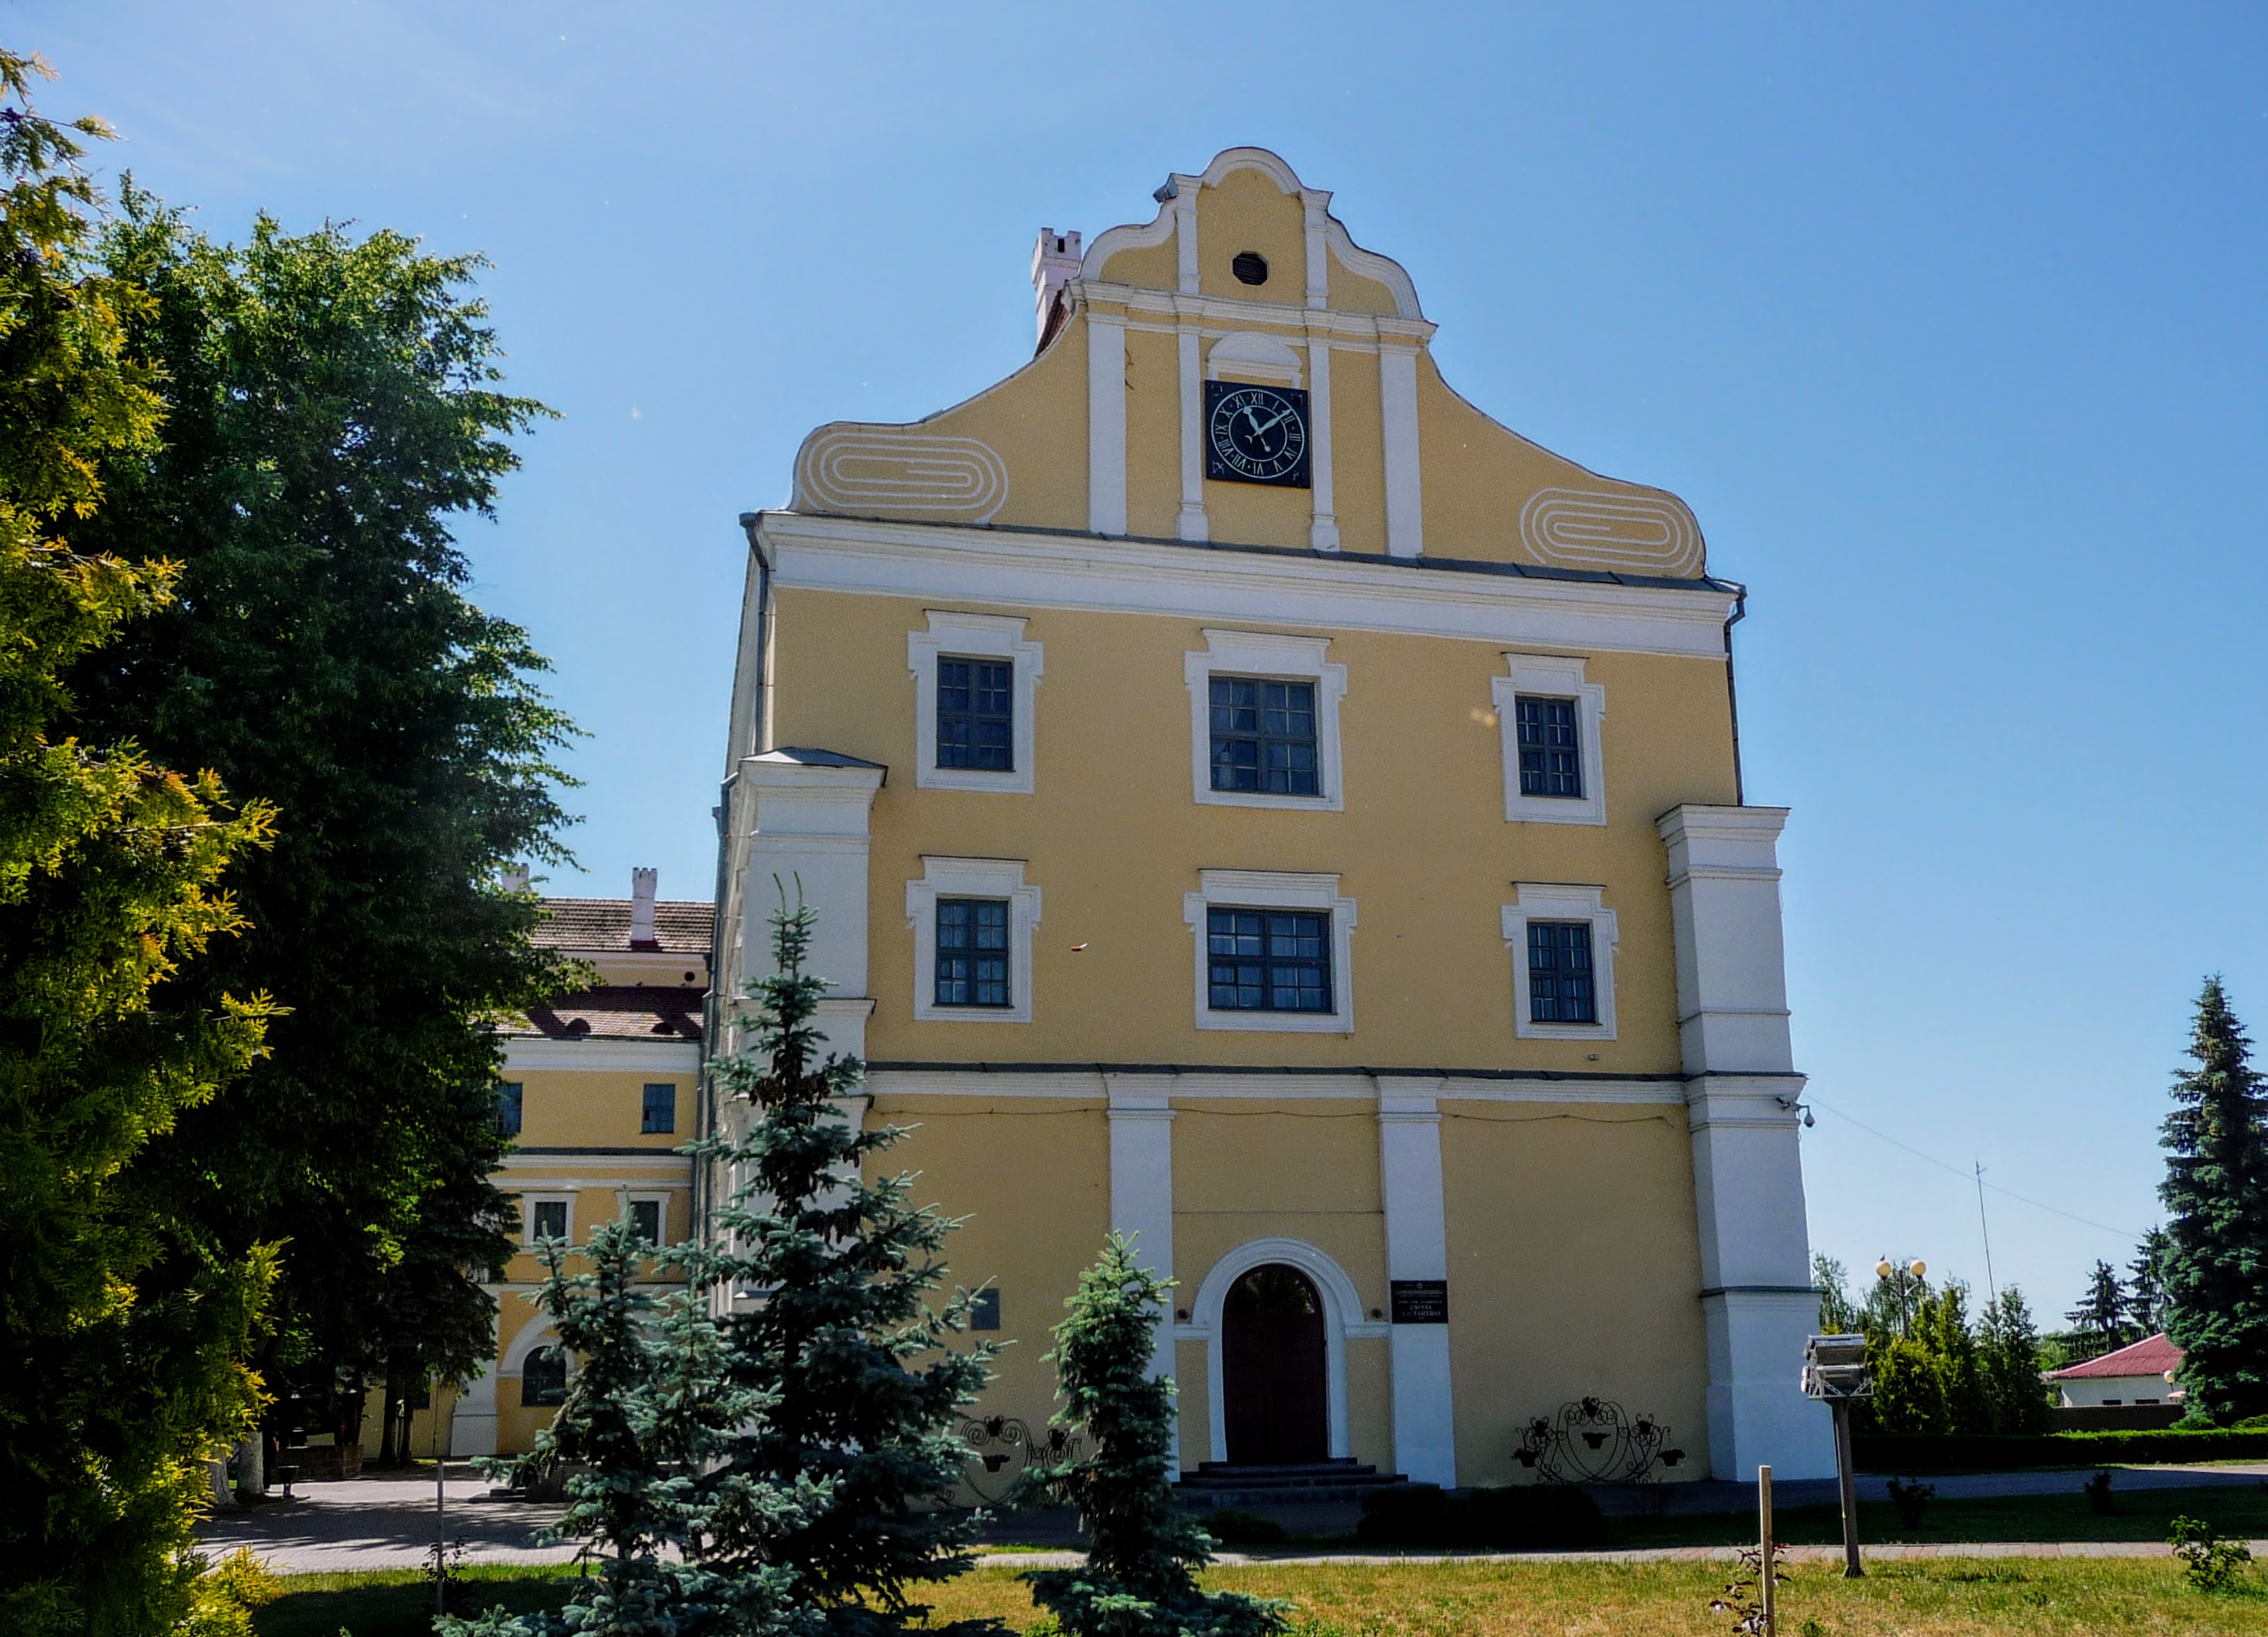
(1256, 434)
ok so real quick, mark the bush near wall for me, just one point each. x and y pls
(1927, 1452)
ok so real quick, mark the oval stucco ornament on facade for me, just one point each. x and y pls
(872, 471)
(1629, 534)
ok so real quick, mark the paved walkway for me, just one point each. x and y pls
(388, 1522)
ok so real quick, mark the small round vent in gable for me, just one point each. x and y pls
(1250, 268)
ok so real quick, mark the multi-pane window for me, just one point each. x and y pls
(1264, 736)
(658, 1112)
(1561, 987)
(984, 1309)
(543, 1379)
(645, 1219)
(1551, 748)
(548, 1218)
(508, 1102)
(1268, 960)
(972, 952)
(977, 714)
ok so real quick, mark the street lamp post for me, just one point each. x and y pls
(1884, 1269)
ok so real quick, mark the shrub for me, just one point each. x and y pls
(2098, 1495)
(1527, 1518)
(1912, 1500)
(2211, 1563)
(1232, 1528)
(1931, 1452)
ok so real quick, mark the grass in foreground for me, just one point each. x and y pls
(1944, 1597)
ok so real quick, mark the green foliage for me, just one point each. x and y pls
(1139, 1579)
(1935, 1373)
(1994, 1452)
(863, 1390)
(2211, 1563)
(2216, 1197)
(2099, 1499)
(1911, 1499)
(121, 1330)
(2101, 1315)
(647, 1410)
(226, 1593)
(1837, 1316)
(2008, 1350)
(331, 411)
(1524, 1517)
(2145, 1283)
(1230, 1527)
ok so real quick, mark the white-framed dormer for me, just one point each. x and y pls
(980, 881)
(535, 1208)
(1555, 905)
(1267, 656)
(1556, 689)
(996, 636)
(1307, 891)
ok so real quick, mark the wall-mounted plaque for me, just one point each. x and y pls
(1420, 1300)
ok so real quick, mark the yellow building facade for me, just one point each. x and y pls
(599, 1090)
(1255, 802)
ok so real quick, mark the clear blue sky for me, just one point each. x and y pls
(1950, 322)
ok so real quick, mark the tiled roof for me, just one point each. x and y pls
(680, 926)
(2153, 1355)
(618, 1013)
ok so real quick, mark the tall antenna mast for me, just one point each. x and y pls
(1985, 1228)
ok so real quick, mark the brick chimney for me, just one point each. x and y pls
(643, 882)
(1054, 263)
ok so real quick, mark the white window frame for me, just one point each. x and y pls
(1266, 654)
(1552, 677)
(1275, 889)
(973, 636)
(662, 1239)
(527, 1204)
(972, 878)
(1555, 901)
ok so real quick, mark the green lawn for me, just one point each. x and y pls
(399, 1603)
(1943, 1597)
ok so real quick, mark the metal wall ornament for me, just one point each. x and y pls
(1003, 1448)
(1596, 1441)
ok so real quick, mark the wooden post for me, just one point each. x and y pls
(1847, 1480)
(1766, 1589)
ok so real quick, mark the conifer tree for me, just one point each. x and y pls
(647, 1409)
(1968, 1405)
(2101, 1315)
(836, 1335)
(2009, 1356)
(1142, 1554)
(2145, 1283)
(2216, 1197)
(123, 1330)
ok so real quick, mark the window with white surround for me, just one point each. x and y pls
(546, 1216)
(648, 1216)
(1563, 962)
(1268, 735)
(974, 682)
(957, 980)
(1273, 951)
(1549, 718)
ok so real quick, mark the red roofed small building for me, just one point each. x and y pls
(2139, 1374)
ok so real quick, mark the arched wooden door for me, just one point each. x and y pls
(1275, 1391)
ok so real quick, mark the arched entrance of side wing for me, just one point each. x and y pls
(1275, 1369)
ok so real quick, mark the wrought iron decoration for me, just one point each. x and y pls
(1003, 1448)
(1596, 1441)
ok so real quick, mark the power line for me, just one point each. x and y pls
(2037, 1204)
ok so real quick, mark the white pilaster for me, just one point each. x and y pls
(812, 838)
(1185, 229)
(1416, 1246)
(1142, 1189)
(1397, 392)
(1105, 426)
(1315, 213)
(1191, 522)
(1323, 532)
(1747, 1169)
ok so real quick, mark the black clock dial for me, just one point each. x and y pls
(1256, 434)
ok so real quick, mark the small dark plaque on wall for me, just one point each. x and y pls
(1420, 1300)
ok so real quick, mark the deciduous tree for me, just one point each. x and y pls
(333, 415)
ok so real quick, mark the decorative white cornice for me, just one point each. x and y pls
(610, 1056)
(1025, 569)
